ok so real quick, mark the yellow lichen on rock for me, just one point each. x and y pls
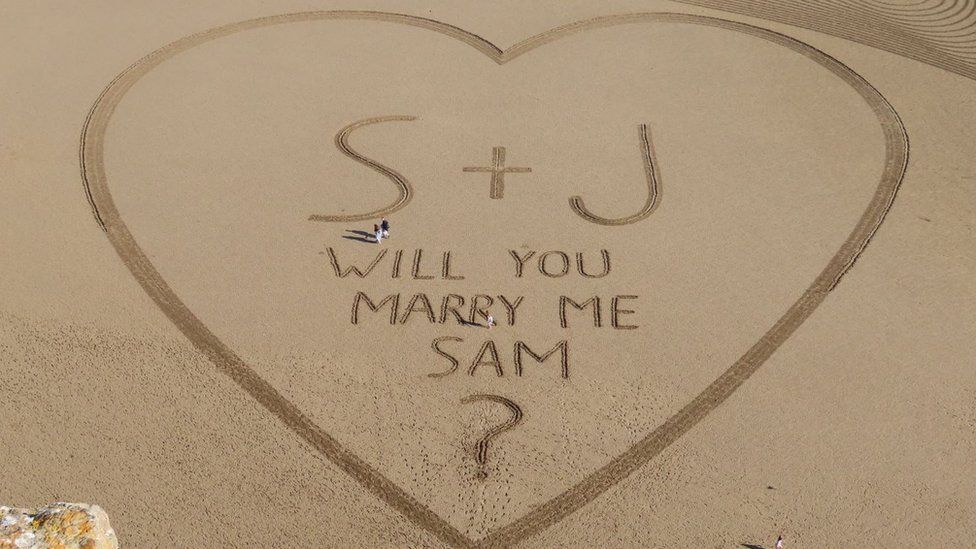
(56, 526)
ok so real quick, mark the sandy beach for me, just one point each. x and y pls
(728, 256)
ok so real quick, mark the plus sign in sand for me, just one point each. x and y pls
(719, 289)
(497, 171)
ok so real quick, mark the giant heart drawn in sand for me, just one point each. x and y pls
(228, 362)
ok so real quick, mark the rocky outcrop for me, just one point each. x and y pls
(56, 526)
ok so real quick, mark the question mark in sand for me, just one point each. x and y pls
(482, 446)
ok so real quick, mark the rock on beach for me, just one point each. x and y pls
(56, 526)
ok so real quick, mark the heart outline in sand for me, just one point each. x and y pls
(597, 482)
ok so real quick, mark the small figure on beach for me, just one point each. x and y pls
(779, 542)
(377, 233)
(491, 320)
(385, 226)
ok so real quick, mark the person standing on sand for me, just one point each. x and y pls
(491, 320)
(377, 233)
(385, 225)
(779, 542)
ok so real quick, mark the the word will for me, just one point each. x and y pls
(551, 264)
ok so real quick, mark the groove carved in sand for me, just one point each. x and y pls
(941, 33)
(402, 184)
(651, 176)
(96, 185)
(481, 448)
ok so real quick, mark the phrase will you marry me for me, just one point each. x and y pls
(397, 309)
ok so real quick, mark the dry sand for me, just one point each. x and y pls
(784, 218)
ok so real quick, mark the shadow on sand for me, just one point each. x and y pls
(360, 236)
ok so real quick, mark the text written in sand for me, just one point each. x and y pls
(482, 309)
